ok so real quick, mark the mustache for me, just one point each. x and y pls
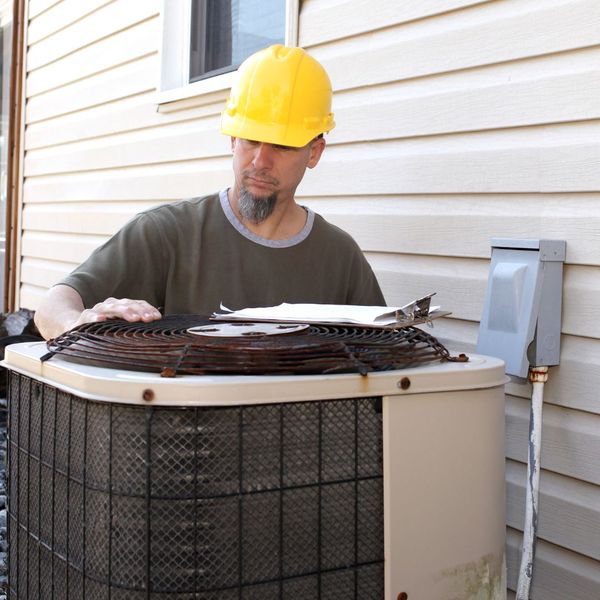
(255, 174)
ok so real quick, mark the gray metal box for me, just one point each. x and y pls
(522, 308)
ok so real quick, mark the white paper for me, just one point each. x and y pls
(323, 313)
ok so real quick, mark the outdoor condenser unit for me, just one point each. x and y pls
(131, 484)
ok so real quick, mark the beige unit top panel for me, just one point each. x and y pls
(114, 385)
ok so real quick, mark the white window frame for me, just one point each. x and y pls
(174, 56)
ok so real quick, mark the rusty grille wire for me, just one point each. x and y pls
(167, 347)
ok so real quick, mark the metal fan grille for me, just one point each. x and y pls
(166, 346)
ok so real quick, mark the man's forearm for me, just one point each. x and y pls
(59, 311)
(62, 309)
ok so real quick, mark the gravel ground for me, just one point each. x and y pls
(3, 542)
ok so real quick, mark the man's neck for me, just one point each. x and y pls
(286, 221)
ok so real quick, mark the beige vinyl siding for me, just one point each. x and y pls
(566, 574)
(458, 121)
(97, 149)
(456, 126)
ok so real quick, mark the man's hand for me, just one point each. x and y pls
(119, 308)
(62, 309)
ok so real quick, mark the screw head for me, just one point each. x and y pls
(148, 395)
(404, 383)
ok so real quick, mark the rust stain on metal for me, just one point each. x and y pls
(460, 358)
(167, 347)
(538, 374)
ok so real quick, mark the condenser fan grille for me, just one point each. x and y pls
(173, 345)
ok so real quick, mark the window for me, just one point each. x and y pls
(224, 33)
(204, 41)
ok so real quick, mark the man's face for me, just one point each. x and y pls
(266, 174)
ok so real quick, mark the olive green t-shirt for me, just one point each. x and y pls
(189, 257)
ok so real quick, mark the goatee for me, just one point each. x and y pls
(256, 209)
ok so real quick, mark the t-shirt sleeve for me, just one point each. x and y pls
(129, 265)
(364, 289)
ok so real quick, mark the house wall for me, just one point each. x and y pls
(458, 121)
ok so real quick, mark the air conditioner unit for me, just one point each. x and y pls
(129, 485)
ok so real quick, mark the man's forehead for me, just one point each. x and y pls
(254, 142)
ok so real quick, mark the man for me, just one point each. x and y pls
(250, 245)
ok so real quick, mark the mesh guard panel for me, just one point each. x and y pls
(264, 501)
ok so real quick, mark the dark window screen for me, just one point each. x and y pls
(225, 32)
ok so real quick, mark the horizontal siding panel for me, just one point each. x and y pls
(93, 219)
(581, 313)
(581, 310)
(538, 159)
(119, 116)
(320, 20)
(575, 382)
(108, 20)
(179, 142)
(569, 510)
(36, 7)
(58, 17)
(456, 334)
(496, 32)
(374, 114)
(43, 273)
(459, 283)
(30, 296)
(72, 248)
(558, 573)
(462, 284)
(548, 159)
(108, 53)
(160, 182)
(570, 439)
(126, 80)
(515, 73)
(463, 225)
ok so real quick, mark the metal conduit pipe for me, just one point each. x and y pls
(538, 376)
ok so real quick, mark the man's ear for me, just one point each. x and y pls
(316, 150)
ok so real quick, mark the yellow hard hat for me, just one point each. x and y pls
(281, 96)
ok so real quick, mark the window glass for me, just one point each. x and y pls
(225, 32)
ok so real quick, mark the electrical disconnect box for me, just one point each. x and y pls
(521, 318)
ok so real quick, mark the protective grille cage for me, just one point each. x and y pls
(261, 502)
(166, 346)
